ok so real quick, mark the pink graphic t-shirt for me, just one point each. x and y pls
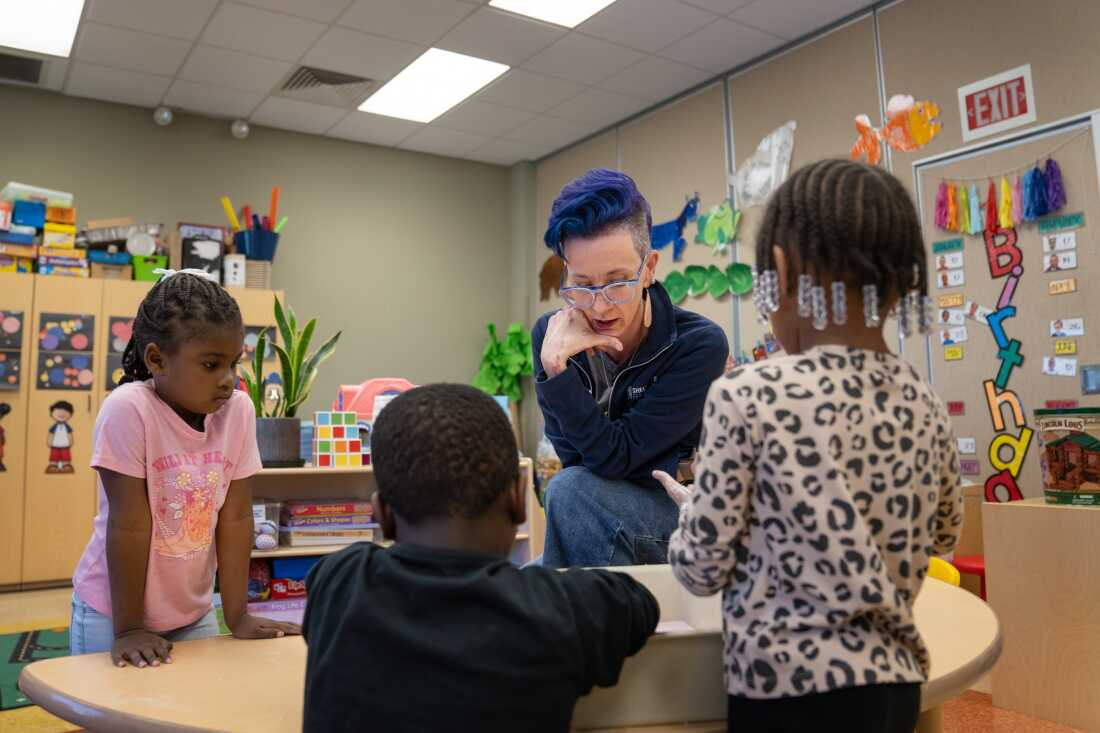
(187, 475)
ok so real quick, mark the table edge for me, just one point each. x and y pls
(92, 716)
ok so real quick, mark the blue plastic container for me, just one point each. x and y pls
(29, 214)
(256, 244)
(104, 257)
(292, 568)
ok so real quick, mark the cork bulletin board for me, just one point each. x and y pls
(978, 378)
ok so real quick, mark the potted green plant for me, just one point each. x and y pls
(278, 429)
(502, 365)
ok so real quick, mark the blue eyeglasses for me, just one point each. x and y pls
(616, 293)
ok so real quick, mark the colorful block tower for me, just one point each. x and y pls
(336, 442)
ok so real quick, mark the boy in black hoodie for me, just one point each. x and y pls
(440, 632)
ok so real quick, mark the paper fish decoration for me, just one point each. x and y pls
(718, 227)
(767, 168)
(910, 125)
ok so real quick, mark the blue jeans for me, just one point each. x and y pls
(596, 522)
(91, 632)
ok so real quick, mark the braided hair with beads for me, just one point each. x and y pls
(850, 222)
(176, 308)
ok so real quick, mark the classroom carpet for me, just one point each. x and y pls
(20, 649)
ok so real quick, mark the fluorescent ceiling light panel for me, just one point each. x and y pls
(569, 13)
(431, 85)
(41, 26)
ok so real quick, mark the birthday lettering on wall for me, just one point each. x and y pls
(1008, 448)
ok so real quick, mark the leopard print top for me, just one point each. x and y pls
(824, 482)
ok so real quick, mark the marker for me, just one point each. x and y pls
(274, 212)
(256, 222)
(230, 214)
(246, 215)
(266, 221)
(280, 225)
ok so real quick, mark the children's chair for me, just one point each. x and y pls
(972, 565)
(943, 570)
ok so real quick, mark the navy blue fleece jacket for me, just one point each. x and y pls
(656, 407)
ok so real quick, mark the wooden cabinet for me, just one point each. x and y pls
(46, 515)
(16, 304)
(60, 494)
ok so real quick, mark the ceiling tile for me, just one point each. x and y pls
(718, 6)
(599, 107)
(211, 100)
(365, 127)
(358, 53)
(583, 59)
(483, 118)
(655, 78)
(721, 46)
(524, 90)
(261, 32)
(418, 21)
(225, 68)
(290, 114)
(793, 19)
(116, 85)
(325, 11)
(126, 49)
(443, 142)
(551, 131)
(501, 37)
(647, 25)
(507, 152)
(164, 17)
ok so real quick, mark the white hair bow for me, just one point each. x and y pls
(166, 273)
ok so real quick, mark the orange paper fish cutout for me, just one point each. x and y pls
(910, 125)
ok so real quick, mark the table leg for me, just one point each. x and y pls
(931, 721)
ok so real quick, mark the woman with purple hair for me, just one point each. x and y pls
(621, 377)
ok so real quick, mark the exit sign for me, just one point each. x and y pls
(997, 104)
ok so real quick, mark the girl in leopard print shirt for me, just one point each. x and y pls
(825, 479)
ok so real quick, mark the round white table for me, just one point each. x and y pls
(224, 684)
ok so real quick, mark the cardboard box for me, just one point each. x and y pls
(112, 272)
(61, 214)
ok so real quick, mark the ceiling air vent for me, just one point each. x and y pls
(20, 69)
(320, 86)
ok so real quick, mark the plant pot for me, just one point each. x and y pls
(280, 441)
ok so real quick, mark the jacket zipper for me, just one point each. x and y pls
(615, 381)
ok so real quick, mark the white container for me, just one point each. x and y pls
(677, 677)
(234, 267)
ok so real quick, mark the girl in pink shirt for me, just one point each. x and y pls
(174, 446)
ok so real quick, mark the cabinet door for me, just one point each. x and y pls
(60, 493)
(16, 325)
(121, 299)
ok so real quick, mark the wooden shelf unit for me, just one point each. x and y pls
(357, 482)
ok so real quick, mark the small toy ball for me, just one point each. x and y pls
(266, 536)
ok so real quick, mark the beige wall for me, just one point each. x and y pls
(408, 254)
(673, 153)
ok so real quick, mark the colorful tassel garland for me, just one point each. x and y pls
(964, 210)
(952, 208)
(1017, 201)
(975, 210)
(1025, 196)
(1056, 191)
(1004, 211)
(1036, 204)
(941, 205)
(991, 209)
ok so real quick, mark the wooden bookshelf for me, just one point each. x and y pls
(329, 549)
(357, 482)
(315, 471)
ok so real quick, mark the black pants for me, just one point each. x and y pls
(868, 709)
